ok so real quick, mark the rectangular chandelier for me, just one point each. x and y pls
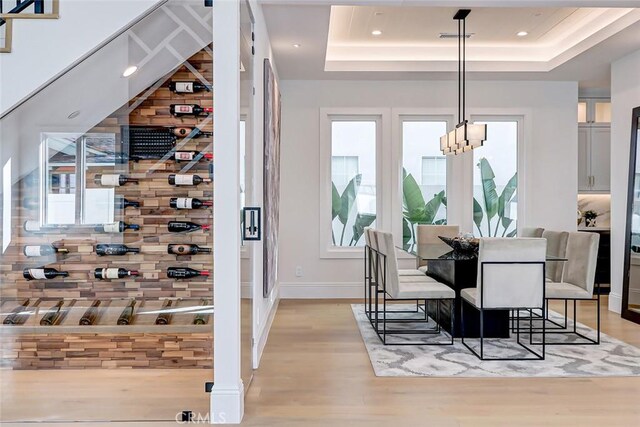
(466, 136)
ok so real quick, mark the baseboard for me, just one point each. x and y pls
(317, 290)
(615, 302)
(264, 333)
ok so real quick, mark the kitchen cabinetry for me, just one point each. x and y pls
(594, 146)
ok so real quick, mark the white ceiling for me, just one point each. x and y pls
(564, 43)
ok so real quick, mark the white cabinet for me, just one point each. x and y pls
(594, 145)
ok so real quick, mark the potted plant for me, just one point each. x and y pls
(590, 218)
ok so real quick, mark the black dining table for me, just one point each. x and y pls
(459, 270)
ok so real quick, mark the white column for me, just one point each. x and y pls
(227, 395)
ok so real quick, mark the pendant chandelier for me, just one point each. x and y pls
(466, 136)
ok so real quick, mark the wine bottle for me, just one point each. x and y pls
(32, 226)
(188, 156)
(188, 87)
(185, 273)
(113, 180)
(104, 249)
(113, 273)
(183, 132)
(188, 203)
(126, 317)
(19, 315)
(187, 249)
(52, 315)
(182, 179)
(43, 273)
(89, 317)
(116, 227)
(201, 318)
(185, 226)
(180, 110)
(164, 318)
(42, 250)
(122, 203)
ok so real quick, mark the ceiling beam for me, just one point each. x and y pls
(461, 3)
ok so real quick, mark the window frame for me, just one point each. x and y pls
(383, 140)
(80, 173)
(400, 116)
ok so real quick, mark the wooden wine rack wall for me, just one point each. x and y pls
(107, 345)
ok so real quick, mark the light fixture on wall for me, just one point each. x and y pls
(466, 136)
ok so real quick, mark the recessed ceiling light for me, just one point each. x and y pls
(522, 33)
(376, 32)
(297, 45)
(73, 115)
(130, 70)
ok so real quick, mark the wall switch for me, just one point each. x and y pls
(299, 271)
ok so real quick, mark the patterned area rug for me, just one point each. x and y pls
(611, 358)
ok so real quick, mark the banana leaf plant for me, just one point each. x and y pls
(342, 206)
(416, 211)
(495, 206)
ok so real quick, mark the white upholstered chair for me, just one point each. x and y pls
(510, 277)
(391, 286)
(556, 247)
(428, 234)
(531, 232)
(577, 282)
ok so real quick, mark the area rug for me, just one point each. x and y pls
(609, 359)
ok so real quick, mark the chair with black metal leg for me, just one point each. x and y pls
(577, 284)
(428, 234)
(510, 277)
(391, 287)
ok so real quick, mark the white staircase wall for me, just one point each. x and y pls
(44, 48)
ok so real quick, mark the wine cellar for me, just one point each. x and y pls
(147, 304)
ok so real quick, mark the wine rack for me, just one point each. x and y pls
(145, 313)
(142, 343)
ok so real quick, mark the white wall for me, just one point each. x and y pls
(625, 95)
(263, 308)
(42, 48)
(549, 175)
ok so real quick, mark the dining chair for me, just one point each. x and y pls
(531, 232)
(556, 247)
(373, 269)
(428, 235)
(510, 277)
(577, 283)
(391, 287)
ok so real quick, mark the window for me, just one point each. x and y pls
(353, 178)
(424, 169)
(71, 162)
(495, 181)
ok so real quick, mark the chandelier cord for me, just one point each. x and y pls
(464, 69)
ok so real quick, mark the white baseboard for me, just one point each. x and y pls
(615, 302)
(303, 290)
(227, 404)
(264, 333)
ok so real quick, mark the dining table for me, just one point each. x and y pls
(459, 270)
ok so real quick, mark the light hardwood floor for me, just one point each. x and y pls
(315, 372)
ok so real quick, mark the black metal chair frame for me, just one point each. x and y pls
(375, 286)
(560, 329)
(481, 309)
